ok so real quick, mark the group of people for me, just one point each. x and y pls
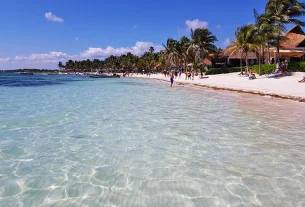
(281, 67)
(251, 74)
(189, 75)
(174, 73)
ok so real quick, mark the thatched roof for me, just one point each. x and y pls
(287, 53)
(294, 38)
(292, 46)
(236, 55)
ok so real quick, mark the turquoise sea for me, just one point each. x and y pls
(75, 141)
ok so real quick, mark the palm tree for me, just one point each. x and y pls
(95, 64)
(70, 64)
(245, 42)
(151, 49)
(282, 12)
(60, 65)
(266, 33)
(202, 43)
(185, 44)
(172, 52)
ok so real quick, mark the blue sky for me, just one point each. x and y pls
(39, 33)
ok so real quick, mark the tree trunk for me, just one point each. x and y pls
(278, 50)
(247, 63)
(259, 59)
(269, 53)
(241, 63)
(264, 58)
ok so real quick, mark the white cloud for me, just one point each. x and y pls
(45, 58)
(196, 23)
(92, 52)
(2, 60)
(218, 26)
(53, 17)
(77, 38)
(227, 42)
(138, 49)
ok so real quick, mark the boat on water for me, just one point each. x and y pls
(104, 76)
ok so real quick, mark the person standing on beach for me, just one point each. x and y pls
(172, 78)
(286, 66)
(176, 73)
(193, 74)
(277, 68)
(179, 74)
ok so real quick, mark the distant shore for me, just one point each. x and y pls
(284, 87)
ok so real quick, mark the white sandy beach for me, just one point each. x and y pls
(284, 87)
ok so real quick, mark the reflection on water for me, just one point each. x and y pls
(141, 143)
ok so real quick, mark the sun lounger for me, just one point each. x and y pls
(277, 75)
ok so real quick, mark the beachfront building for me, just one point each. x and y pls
(292, 49)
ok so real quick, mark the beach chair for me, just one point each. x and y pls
(276, 73)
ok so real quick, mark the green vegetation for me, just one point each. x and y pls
(269, 68)
(265, 68)
(176, 55)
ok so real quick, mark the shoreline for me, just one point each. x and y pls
(289, 83)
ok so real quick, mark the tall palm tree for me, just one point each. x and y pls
(282, 12)
(185, 44)
(202, 43)
(245, 42)
(265, 34)
(172, 52)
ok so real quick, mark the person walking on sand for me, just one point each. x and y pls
(189, 75)
(193, 74)
(179, 74)
(172, 79)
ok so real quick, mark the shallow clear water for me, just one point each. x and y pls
(74, 141)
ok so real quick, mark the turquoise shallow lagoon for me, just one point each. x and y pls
(75, 141)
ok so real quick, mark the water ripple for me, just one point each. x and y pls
(140, 143)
